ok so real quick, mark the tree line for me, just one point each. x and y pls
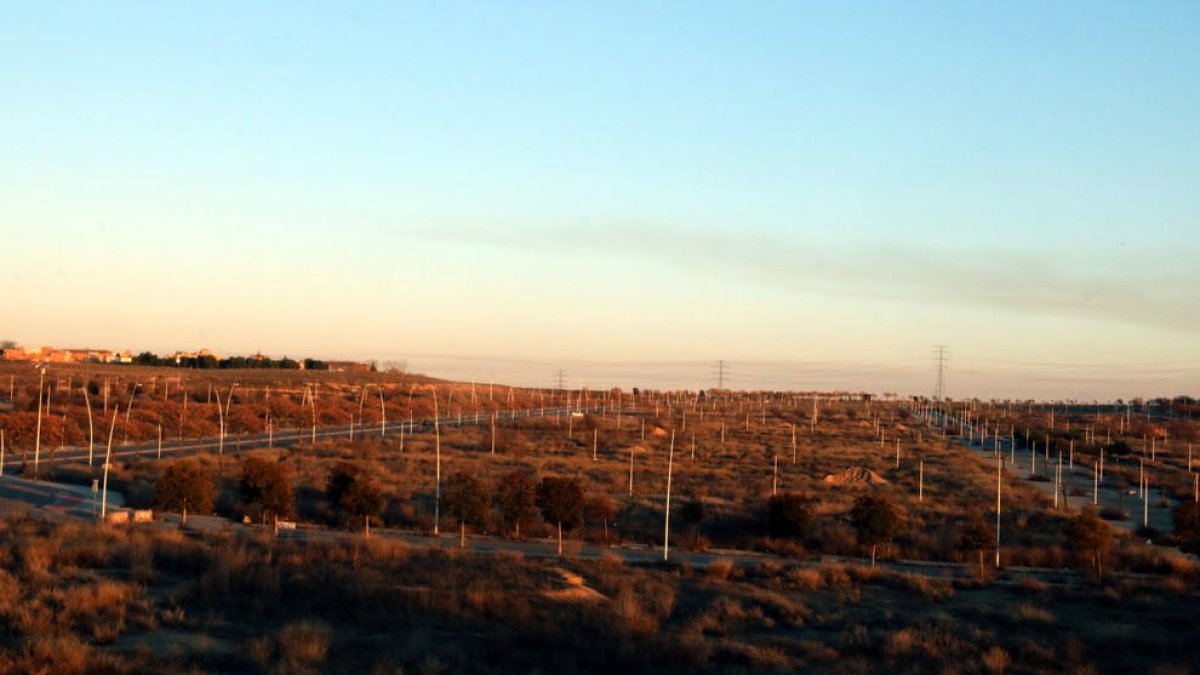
(210, 362)
(268, 495)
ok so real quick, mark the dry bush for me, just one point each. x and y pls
(932, 589)
(996, 660)
(572, 548)
(302, 645)
(260, 651)
(36, 556)
(719, 570)
(611, 563)
(808, 579)
(99, 609)
(511, 556)
(631, 615)
(62, 654)
(1027, 613)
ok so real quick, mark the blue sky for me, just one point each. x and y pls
(821, 190)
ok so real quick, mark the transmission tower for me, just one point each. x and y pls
(721, 370)
(941, 356)
(562, 379)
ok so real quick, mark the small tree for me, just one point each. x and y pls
(184, 486)
(600, 507)
(1091, 539)
(354, 492)
(266, 489)
(1186, 517)
(561, 502)
(788, 516)
(693, 513)
(875, 521)
(978, 538)
(517, 496)
(466, 499)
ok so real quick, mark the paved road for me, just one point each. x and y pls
(289, 437)
(1019, 466)
(56, 501)
(637, 554)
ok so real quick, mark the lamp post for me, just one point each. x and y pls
(37, 441)
(437, 444)
(107, 462)
(129, 409)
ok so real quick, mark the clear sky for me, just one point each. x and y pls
(815, 192)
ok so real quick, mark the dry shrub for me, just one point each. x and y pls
(572, 548)
(62, 654)
(936, 640)
(511, 557)
(836, 576)
(778, 608)
(484, 594)
(864, 574)
(10, 592)
(901, 643)
(1027, 612)
(768, 568)
(302, 645)
(175, 616)
(1034, 585)
(725, 616)
(631, 615)
(378, 548)
(98, 609)
(996, 660)
(932, 589)
(611, 563)
(805, 578)
(720, 570)
(36, 556)
(760, 657)
(260, 651)
(228, 570)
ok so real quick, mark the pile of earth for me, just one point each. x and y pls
(858, 475)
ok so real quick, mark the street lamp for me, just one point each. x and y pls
(37, 442)
(128, 410)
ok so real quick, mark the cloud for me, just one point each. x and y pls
(1140, 288)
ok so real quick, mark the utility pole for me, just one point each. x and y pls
(721, 370)
(941, 355)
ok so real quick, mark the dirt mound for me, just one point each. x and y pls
(658, 431)
(575, 591)
(858, 475)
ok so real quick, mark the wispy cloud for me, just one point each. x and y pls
(1144, 289)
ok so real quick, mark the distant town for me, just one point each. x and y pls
(202, 359)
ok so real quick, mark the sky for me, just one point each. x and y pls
(816, 193)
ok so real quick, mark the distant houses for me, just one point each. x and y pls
(53, 355)
(202, 359)
(181, 358)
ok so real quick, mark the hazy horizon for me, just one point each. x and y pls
(823, 190)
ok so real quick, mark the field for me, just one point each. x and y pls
(773, 486)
